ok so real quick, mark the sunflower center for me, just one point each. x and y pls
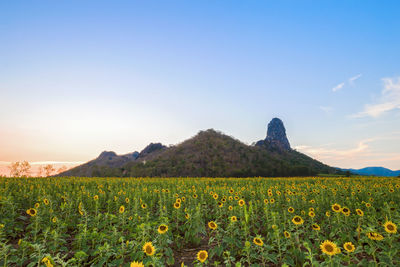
(148, 250)
(202, 255)
(297, 219)
(329, 248)
(390, 227)
(162, 228)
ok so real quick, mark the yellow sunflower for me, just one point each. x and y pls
(241, 202)
(349, 247)
(390, 227)
(297, 220)
(291, 209)
(311, 214)
(177, 205)
(336, 208)
(359, 212)
(374, 236)
(346, 211)
(149, 249)
(202, 255)
(162, 229)
(316, 227)
(233, 219)
(287, 234)
(258, 241)
(212, 225)
(122, 209)
(137, 264)
(32, 212)
(329, 248)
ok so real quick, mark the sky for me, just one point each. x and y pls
(81, 77)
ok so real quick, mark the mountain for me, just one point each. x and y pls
(209, 154)
(375, 171)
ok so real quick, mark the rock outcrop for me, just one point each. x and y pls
(276, 137)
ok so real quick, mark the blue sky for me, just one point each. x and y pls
(80, 77)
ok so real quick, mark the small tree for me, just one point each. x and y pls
(19, 169)
(49, 170)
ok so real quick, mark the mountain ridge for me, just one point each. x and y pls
(209, 153)
(375, 171)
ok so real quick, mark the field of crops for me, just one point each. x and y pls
(200, 222)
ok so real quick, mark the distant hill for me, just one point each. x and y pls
(375, 171)
(209, 154)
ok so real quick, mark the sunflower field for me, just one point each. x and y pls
(199, 221)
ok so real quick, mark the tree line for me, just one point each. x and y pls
(24, 169)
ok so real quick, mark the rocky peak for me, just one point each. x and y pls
(151, 148)
(276, 133)
(276, 136)
(107, 154)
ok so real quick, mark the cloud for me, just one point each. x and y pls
(336, 154)
(350, 81)
(389, 100)
(326, 109)
(337, 87)
(353, 79)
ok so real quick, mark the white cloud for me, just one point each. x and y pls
(353, 79)
(337, 87)
(389, 100)
(350, 81)
(331, 153)
(326, 109)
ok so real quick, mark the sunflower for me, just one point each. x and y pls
(316, 227)
(230, 208)
(329, 248)
(162, 229)
(349, 247)
(177, 205)
(297, 220)
(241, 202)
(46, 201)
(233, 219)
(127, 200)
(122, 209)
(390, 227)
(311, 214)
(137, 264)
(32, 212)
(212, 225)
(336, 208)
(346, 211)
(187, 216)
(220, 204)
(368, 205)
(149, 249)
(266, 201)
(202, 255)
(215, 196)
(287, 234)
(96, 197)
(272, 201)
(144, 206)
(258, 241)
(374, 236)
(359, 212)
(37, 205)
(328, 214)
(54, 220)
(291, 209)
(194, 196)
